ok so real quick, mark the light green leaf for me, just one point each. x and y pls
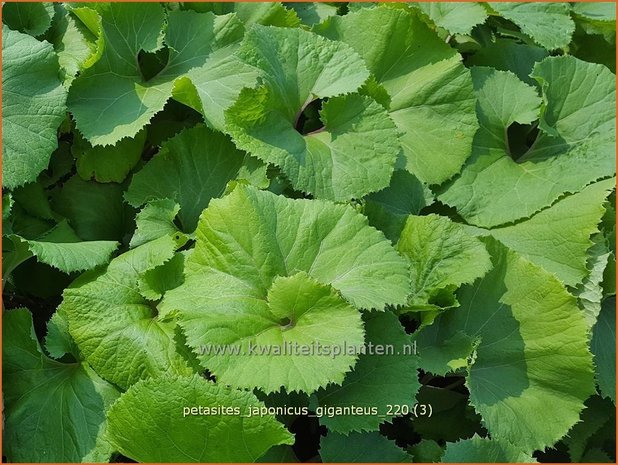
(558, 237)
(361, 448)
(456, 18)
(549, 24)
(29, 18)
(33, 106)
(484, 450)
(155, 412)
(443, 256)
(75, 45)
(603, 347)
(116, 329)
(191, 168)
(112, 100)
(378, 379)
(582, 113)
(432, 102)
(89, 18)
(309, 236)
(154, 283)
(253, 247)
(155, 220)
(63, 249)
(352, 154)
(297, 312)
(577, 129)
(522, 356)
(334, 69)
(53, 411)
(109, 163)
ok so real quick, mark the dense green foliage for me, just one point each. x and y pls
(185, 182)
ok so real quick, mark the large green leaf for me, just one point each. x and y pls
(298, 312)
(112, 99)
(577, 128)
(557, 238)
(379, 379)
(54, 412)
(524, 362)
(269, 271)
(33, 106)
(117, 330)
(160, 412)
(430, 91)
(352, 154)
(192, 168)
